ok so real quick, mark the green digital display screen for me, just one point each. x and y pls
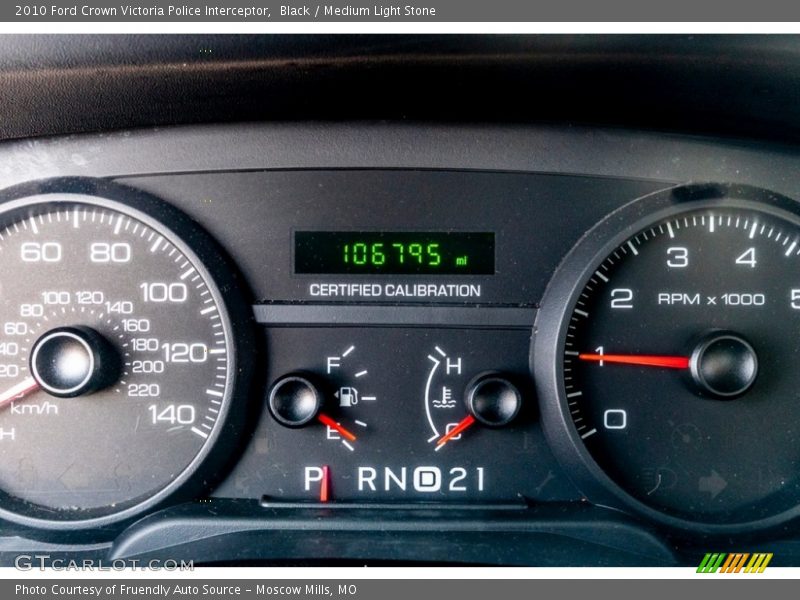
(393, 253)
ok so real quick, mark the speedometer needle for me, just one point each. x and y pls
(643, 360)
(17, 392)
(326, 420)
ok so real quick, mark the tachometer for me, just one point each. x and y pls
(117, 357)
(667, 349)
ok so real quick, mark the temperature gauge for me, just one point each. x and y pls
(452, 407)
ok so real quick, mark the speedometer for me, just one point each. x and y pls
(671, 338)
(117, 356)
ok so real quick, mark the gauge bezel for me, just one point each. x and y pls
(228, 291)
(550, 328)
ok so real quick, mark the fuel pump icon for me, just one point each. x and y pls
(348, 396)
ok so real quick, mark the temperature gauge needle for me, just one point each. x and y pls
(17, 392)
(326, 420)
(462, 426)
(642, 360)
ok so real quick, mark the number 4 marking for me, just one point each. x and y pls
(748, 258)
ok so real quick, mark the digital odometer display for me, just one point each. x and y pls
(394, 253)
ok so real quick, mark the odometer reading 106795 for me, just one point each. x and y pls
(114, 358)
(394, 253)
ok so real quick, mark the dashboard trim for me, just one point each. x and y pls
(543, 149)
(206, 534)
(491, 317)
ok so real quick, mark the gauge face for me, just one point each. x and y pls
(678, 363)
(115, 358)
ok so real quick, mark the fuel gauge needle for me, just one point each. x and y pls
(326, 420)
(462, 426)
(19, 391)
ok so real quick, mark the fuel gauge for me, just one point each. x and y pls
(302, 399)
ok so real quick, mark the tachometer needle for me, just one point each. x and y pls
(464, 424)
(326, 420)
(642, 360)
(17, 392)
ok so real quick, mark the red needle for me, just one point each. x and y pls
(326, 420)
(16, 392)
(325, 486)
(644, 360)
(464, 424)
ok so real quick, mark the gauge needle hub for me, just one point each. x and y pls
(642, 360)
(326, 420)
(462, 426)
(18, 391)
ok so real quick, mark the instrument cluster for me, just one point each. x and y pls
(361, 341)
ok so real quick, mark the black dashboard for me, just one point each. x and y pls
(541, 312)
